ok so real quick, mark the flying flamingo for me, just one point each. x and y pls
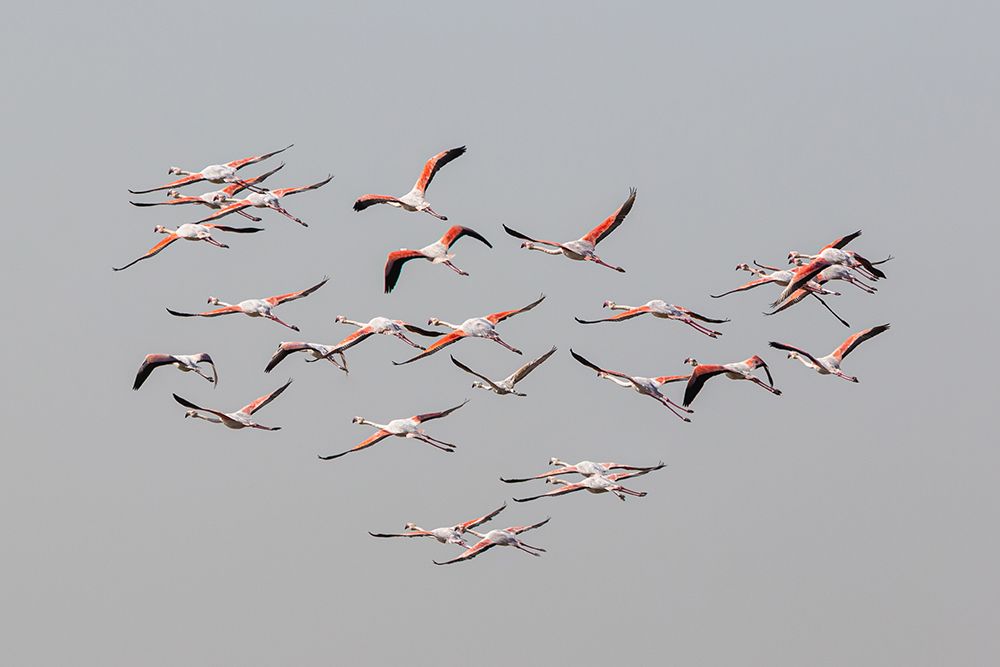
(214, 173)
(830, 364)
(401, 428)
(267, 199)
(585, 468)
(318, 351)
(740, 370)
(436, 253)
(214, 199)
(498, 538)
(645, 386)
(183, 362)
(239, 419)
(505, 386)
(839, 272)
(254, 307)
(660, 309)
(776, 276)
(447, 534)
(582, 249)
(603, 483)
(829, 254)
(414, 199)
(476, 327)
(189, 232)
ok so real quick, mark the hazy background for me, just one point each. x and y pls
(837, 524)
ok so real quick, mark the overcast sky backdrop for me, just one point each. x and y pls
(836, 524)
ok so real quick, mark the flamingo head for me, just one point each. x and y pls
(555, 462)
(190, 413)
(434, 322)
(608, 304)
(160, 229)
(410, 526)
(357, 420)
(173, 193)
(340, 319)
(793, 255)
(528, 244)
(174, 170)
(479, 385)
(213, 300)
(691, 361)
(793, 355)
(743, 267)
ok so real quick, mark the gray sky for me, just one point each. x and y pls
(837, 524)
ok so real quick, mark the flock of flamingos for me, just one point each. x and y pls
(805, 280)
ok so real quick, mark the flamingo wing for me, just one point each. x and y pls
(458, 231)
(285, 349)
(239, 164)
(226, 210)
(524, 370)
(667, 379)
(611, 223)
(169, 202)
(473, 551)
(453, 337)
(433, 166)
(364, 201)
(418, 330)
(170, 238)
(236, 230)
(352, 339)
(624, 315)
(801, 278)
(878, 273)
(427, 416)
(472, 372)
(517, 530)
(234, 188)
(497, 318)
(284, 192)
(757, 282)
(149, 364)
(258, 403)
(848, 345)
(698, 378)
(188, 404)
(292, 296)
(412, 533)
(394, 262)
(562, 490)
(842, 241)
(523, 237)
(211, 313)
(615, 476)
(481, 520)
(696, 316)
(193, 178)
(593, 366)
(791, 348)
(567, 470)
(375, 438)
(205, 358)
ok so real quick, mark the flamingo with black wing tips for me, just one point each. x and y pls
(242, 418)
(840, 272)
(446, 534)
(498, 538)
(317, 351)
(401, 428)
(267, 199)
(216, 198)
(214, 173)
(585, 468)
(602, 483)
(436, 253)
(254, 307)
(414, 199)
(582, 249)
(645, 386)
(476, 327)
(830, 254)
(740, 370)
(830, 364)
(776, 276)
(187, 363)
(189, 232)
(505, 386)
(660, 309)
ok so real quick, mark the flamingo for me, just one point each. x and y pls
(583, 248)
(585, 468)
(214, 199)
(740, 370)
(318, 351)
(267, 199)
(832, 253)
(214, 173)
(401, 428)
(498, 538)
(447, 534)
(414, 199)
(776, 276)
(645, 386)
(661, 309)
(436, 253)
(830, 364)
(183, 362)
(839, 272)
(242, 418)
(603, 483)
(254, 307)
(476, 327)
(505, 386)
(188, 232)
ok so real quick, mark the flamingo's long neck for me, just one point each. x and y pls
(617, 306)
(442, 323)
(214, 420)
(344, 320)
(381, 427)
